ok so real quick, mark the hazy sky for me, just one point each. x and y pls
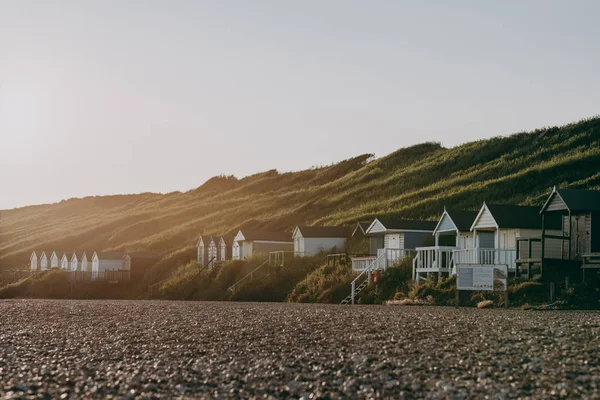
(102, 97)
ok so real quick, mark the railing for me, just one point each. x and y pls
(555, 247)
(391, 256)
(248, 276)
(365, 274)
(361, 263)
(433, 259)
(485, 256)
(278, 257)
(117, 275)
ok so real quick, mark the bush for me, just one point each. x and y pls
(441, 293)
(399, 296)
(326, 284)
(528, 292)
(277, 282)
(53, 284)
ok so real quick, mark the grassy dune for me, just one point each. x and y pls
(412, 182)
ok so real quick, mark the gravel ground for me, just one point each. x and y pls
(93, 349)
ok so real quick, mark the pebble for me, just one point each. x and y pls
(154, 349)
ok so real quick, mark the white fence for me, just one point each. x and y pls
(486, 256)
(361, 263)
(434, 259)
(385, 258)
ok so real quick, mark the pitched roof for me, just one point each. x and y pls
(322, 231)
(510, 216)
(361, 227)
(462, 219)
(228, 240)
(407, 224)
(578, 199)
(58, 253)
(267, 236)
(205, 239)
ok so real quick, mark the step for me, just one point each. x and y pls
(360, 288)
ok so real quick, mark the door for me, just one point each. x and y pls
(580, 239)
(486, 242)
(486, 239)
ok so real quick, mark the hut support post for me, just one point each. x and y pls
(543, 244)
(570, 234)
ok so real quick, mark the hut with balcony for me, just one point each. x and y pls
(452, 232)
(496, 230)
(574, 249)
(391, 240)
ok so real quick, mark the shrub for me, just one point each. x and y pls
(441, 293)
(326, 284)
(399, 296)
(528, 292)
(53, 284)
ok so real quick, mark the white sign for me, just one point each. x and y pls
(482, 277)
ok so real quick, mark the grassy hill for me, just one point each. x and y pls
(412, 182)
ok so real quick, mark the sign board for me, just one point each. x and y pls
(482, 277)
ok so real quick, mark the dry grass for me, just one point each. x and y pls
(485, 304)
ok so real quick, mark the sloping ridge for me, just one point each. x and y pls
(414, 182)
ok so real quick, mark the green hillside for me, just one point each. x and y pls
(411, 182)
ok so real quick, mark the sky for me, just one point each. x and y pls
(105, 97)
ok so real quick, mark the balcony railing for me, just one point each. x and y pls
(434, 259)
(361, 263)
(392, 256)
(485, 256)
(384, 259)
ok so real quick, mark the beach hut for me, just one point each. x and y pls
(311, 240)
(33, 261)
(573, 247)
(391, 240)
(452, 232)
(248, 243)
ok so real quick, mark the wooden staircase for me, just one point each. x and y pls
(360, 288)
(362, 280)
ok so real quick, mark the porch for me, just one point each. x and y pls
(557, 253)
(486, 256)
(433, 259)
(384, 259)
